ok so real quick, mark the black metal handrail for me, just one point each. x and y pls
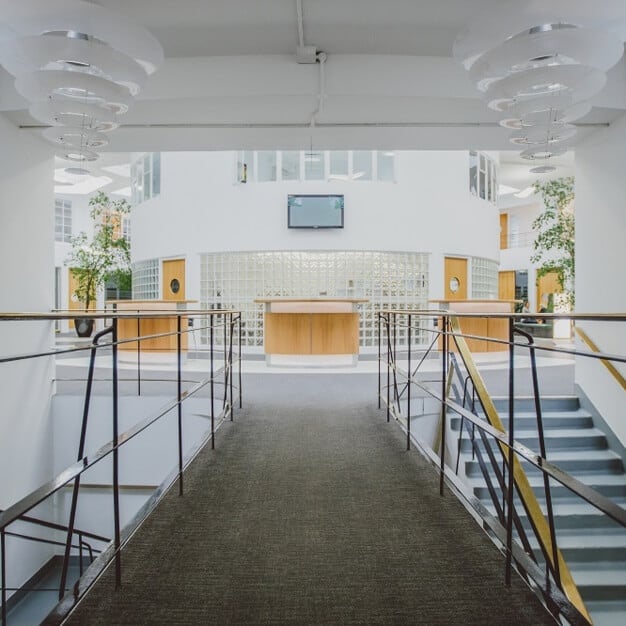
(510, 449)
(222, 376)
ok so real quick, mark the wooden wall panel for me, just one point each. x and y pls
(504, 231)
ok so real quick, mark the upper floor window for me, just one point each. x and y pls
(145, 177)
(482, 176)
(274, 166)
(62, 220)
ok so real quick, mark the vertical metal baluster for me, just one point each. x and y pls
(80, 553)
(511, 456)
(408, 397)
(387, 320)
(230, 364)
(379, 346)
(180, 404)
(116, 477)
(444, 373)
(212, 387)
(3, 576)
(240, 383)
(138, 355)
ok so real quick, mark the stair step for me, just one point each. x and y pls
(609, 485)
(584, 550)
(548, 403)
(555, 439)
(609, 613)
(582, 461)
(608, 583)
(528, 419)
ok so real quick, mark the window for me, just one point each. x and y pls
(314, 165)
(385, 166)
(145, 177)
(266, 166)
(338, 165)
(62, 220)
(245, 166)
(362, 165)
(483, 176)
(290, 167)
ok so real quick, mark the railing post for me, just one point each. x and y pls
(138, 355)
(408, 397)
(239, 364)
(3, 576)
(511, 455)
(231, 325)
(379, 346)
(387, 324)
(211, 333)
(444, 374)
(116, 477)
(180, 405)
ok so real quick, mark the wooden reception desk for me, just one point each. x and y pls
(481, 326)
(129, 328)
(311, 326)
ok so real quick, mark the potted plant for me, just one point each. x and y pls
(103, 257)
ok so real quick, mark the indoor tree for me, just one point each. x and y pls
(554, 243)
(106, 255)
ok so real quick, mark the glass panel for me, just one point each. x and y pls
(338, 165)
(267, 166)
(156, 174)
(314, 165)
(386, 166)
(482, 178)
(290, 165)
(362, 165)
(473, 173)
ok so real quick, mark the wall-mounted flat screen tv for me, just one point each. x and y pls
(315, 211)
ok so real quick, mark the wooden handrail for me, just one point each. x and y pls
(609, 366)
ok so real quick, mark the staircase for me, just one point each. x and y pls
(593, 546)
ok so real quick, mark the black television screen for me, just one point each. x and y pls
(315, 211)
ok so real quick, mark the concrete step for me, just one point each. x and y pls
(608, 613)
(584, 550)
(579, 462)
(555, 439)
(548, 403)
(551, 419)
(606, 583)
(609, 485)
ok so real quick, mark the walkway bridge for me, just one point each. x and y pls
(305, 505)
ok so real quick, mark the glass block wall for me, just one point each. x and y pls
(389, 280)
(146, 280)
(484, 278)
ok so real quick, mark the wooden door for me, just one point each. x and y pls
(455, 287)
(173, 281)
(546, 285)
(504, 231)
(506, 285)
(73, 304)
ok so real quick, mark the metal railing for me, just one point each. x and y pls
(221, 409)
(504, 476)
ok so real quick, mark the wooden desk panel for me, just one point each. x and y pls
(287, 333)
(334, 333)
(127, 329)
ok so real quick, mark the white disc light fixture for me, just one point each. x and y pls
(79, 65)
(539, 64)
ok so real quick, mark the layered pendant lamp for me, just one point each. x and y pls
(538, 64)
(79, 66)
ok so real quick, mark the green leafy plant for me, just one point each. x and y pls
(104, 257)
(554, 243)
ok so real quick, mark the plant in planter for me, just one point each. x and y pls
(103, 257)
(554, 244)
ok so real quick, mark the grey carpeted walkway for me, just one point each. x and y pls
(310, 511)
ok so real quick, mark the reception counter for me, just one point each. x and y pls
(311, 326)
(144, 326)
(481, 326)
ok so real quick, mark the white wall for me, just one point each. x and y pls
(600, 261)
(429, 209)
(27, 259)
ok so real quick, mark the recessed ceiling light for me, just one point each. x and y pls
(77, 171)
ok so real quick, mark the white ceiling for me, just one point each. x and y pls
(230, 77)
